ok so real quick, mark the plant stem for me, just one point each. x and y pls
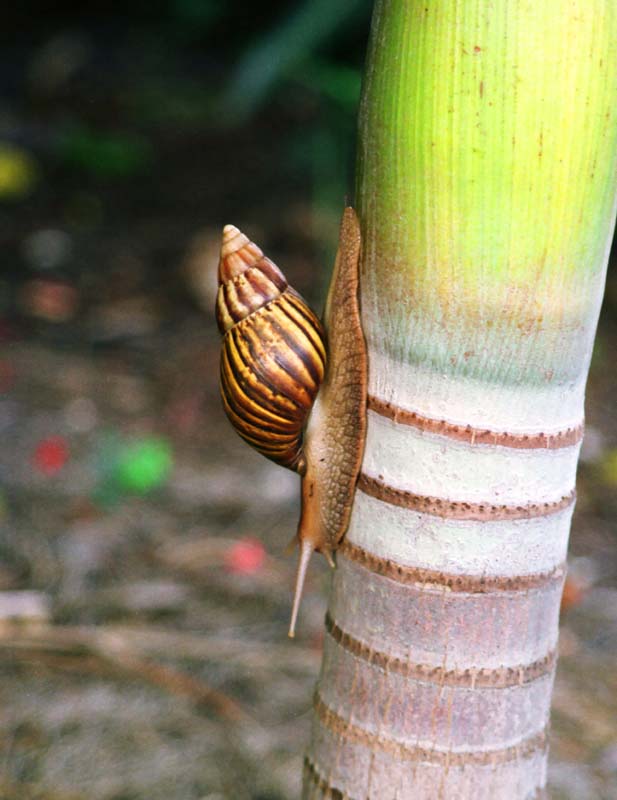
(487, 196)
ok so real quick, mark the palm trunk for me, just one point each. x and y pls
(486, 193)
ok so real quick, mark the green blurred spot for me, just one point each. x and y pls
(609, 467)
(105, 154)
(337, 82)
(143, 465)
(18, 172)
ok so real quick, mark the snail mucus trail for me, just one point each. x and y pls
(282, 395)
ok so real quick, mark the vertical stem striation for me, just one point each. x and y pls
(487, 177)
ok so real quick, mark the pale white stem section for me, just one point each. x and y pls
(508, 547)
(519, 408)
(461, 472)
(442, 629)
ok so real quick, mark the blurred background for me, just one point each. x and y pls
(144, 580)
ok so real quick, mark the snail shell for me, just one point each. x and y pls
(273, 357)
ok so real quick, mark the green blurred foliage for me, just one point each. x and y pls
(196, 14)
(336, 82)
(111, 90)
(290, 44)
(104, 154)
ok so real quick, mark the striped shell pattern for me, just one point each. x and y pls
(273, 355)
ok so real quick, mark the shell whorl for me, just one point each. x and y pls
(247, 279)
(273, 356)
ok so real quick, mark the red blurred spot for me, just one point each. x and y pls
(245, 557)
(573, 593)
(53, 301)
(51, 455)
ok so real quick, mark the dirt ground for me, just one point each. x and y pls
(144, 580)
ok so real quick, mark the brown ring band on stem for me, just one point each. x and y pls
(489, 678)
(402, 751)
(320, 782)
(471, 584)
(313, 775)
(456, 509)
(466, 433)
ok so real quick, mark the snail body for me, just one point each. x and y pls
(279, 392)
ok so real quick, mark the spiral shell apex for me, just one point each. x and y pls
(273, 355)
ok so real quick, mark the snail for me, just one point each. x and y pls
(302, 409)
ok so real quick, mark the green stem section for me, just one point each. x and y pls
(486, 191)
